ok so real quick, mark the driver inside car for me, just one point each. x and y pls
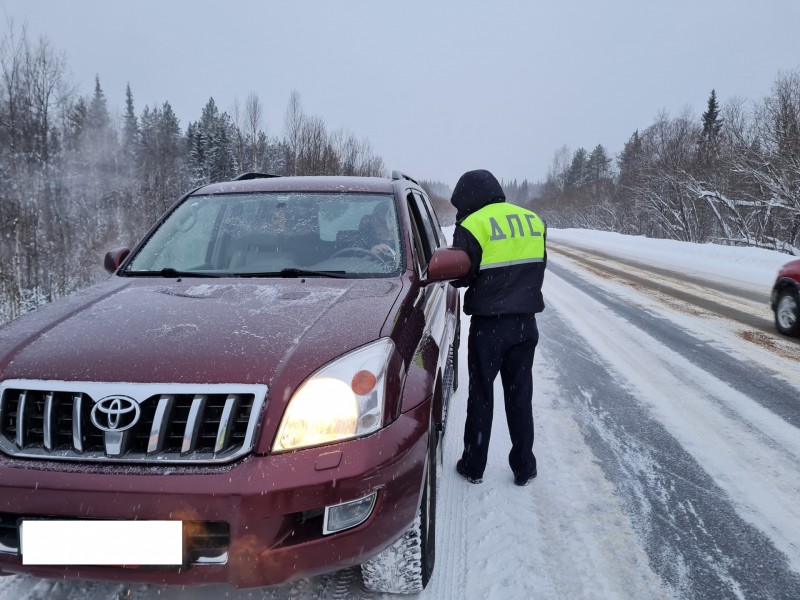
(377, 232)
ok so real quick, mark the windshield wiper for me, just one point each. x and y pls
(170, 272)
(289, 272)
(293, 272)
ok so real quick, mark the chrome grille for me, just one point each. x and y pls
(176, 423)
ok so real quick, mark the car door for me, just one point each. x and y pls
(439, 327)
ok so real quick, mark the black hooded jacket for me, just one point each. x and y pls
(474, 190)
(515, 289)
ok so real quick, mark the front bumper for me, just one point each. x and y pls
(271, 504)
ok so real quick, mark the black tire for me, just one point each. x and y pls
(428, 510)
(406, 566)
(787, 312)
(456, 345)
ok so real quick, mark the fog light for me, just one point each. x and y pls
(348, 514)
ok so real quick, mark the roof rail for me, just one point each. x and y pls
(253, 175)
(400, 175)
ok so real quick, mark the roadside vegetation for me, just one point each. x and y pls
(731, 175)
(67, 167)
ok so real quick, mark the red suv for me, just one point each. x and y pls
(786, 299)
(256, 395)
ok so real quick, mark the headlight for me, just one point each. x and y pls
(344, 399)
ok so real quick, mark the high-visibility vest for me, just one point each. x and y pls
(508, 234)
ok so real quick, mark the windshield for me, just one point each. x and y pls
(276, 234)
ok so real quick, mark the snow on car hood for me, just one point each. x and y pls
(155, 330)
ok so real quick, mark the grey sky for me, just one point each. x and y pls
(438, 88)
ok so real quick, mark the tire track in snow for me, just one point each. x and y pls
(657, 421)
(493, 523)
(746, 378)
(587, 543)
(564, 536)
(451, 548)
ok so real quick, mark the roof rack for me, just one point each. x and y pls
(401, 175)
(253, 175)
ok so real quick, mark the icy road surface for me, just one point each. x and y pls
(667, 412)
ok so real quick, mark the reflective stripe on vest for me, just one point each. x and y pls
(508, 234)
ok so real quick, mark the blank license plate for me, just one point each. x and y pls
(101, 542)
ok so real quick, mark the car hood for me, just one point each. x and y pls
(193, 331)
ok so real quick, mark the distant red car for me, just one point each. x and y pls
(270, 368)
(786, 299)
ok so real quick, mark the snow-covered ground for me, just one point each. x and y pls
(643, 441)
(754, 267)
(667, 441)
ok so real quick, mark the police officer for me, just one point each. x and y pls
(506, 246)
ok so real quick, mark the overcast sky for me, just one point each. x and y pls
(437, 87)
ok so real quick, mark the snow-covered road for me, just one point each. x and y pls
(666, 436)
(701, 447)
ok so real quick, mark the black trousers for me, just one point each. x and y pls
(504, 344)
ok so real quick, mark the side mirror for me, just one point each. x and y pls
(447, 264)
(114, 258)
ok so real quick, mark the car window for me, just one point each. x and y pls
(429, 239)
(420, 245)
(429, 220)
(265, 233)
(437, 228)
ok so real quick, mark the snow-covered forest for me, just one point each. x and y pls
(730, 176)
(77, 178)
(67, 167)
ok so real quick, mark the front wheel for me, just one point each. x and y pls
(787, 312)
(406, 566)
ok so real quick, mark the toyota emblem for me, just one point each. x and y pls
(115, 413)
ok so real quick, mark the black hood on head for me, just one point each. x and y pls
(474, 190)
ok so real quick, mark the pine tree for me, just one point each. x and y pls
(211, 146)
(162, 152)
(130, 129)
(598, 163)
(170, 130)
(577, 175)
(712, 125)
(100, 140)
(630, 159)
(97, 117)
(75, 123)
(148, 139)
(200, 143)
(224, 165)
